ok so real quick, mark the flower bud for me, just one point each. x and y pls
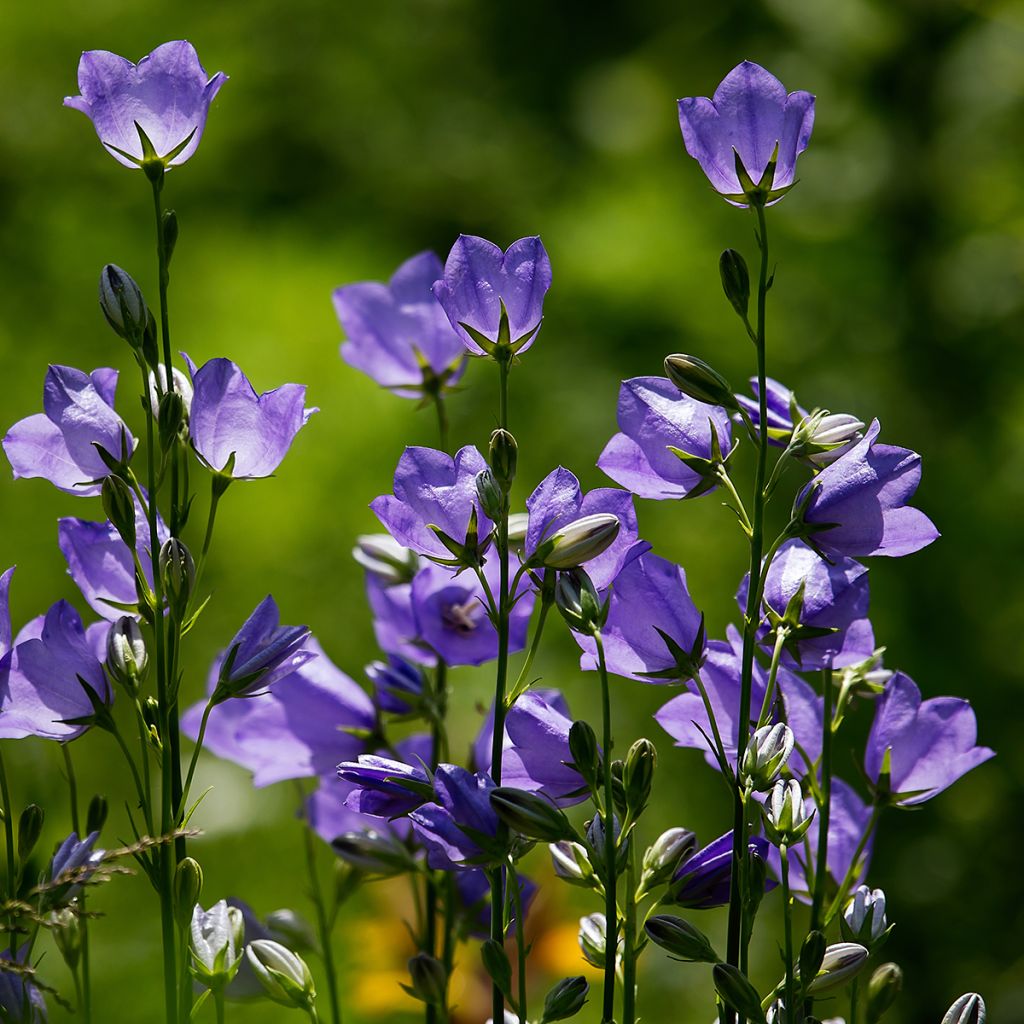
(171, 419)
(681, 939)
(566, 999)
(736, 991)
(663, 857)
(158, 390)
(293, 929)
(188, 887)
(571, 864)
(429, 980)
(489, 493)
(735, 280)
(577, 599)
(697, 380)
(883, 988)
(968, 1009)
(497, 965)
(586, 757)
(347, 879)
(530, 814)
(864, 919)
(178, 573)
(518, 523)
(284, 975)
(119, 507)
(398, 685)
(822, 437)
(638, 775)
(127, 658)
(30, 827)
(96, 815)
(578, 542)
(382, 555)
(151, 716)
(376, 853)
(766, 754)
(122, 304)
(812, 952)
(593, 938)
(786, 816)
(66, 929)
(504, 455)
(597, 844)
(842, 962)
(214, 944)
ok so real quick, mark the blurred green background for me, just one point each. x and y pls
(353, 135)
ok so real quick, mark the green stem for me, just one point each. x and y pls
(194, 760)
(323, 926)
(547, 599)
(12, 867)
(116, 733)
(851, 871)
(442, 421)
(517, 897)
(824, 807)
(218, 1002)
(83, 986)
(611, 913)
(218, 485)
(736, 955)
(143, 731)
(854, 992)
(630, 950)
(773, 671)
(787, 917)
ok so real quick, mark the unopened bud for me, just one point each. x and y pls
(490, 494)
(766, 755)
(842, 962)
(293, 929)
(178, 573)
(382, 555)
(968, 1009)
(429, 980)
(662, 858)
(883, 988)
(696, 379)
(681, 939)
(504, 455)
(530, 814)
(188, 887)
(736, 991)
(592, 939)
(66, 929)
(284, 975)
(518, 523)
(127, 658)
(215, 943)
(812, 952)
(586, 757)
(96, 815)
(171, 418)
(496, 964)
(375, 853)
(638, 775)
(786, 815)
(566, 999)
(571, 864)
(119, 507)
(30, 827)
(122, 304)
(864, 919)
(735, 280)
(577, 599)
(822, 437)
(579, 542)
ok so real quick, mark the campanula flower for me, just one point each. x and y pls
(59, 444)
(655, 418)
(74, 863)
(398, 334)
(216, 939)
(234, 430)
(780, 402)
(397, 685)
(384, 787)
(701, 881)
(394, 622)
(167, 95)
(750, 119)
(857, 506)
(21, 1000)
(928, 744)
(480, 281)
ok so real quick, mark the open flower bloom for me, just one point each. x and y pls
(74, 862)
(930, 743)
(295, 730)
(59, 444)
(384, 787)
(397, 333)
(653, 625)
(394, 624)
(702, 880)
(479, 279)
(167, 94)
(750, 117)
(433, 489)
(857, 506)
(654, 418)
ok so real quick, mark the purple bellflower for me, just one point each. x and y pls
(558, 501)
(398, 334)
(654, 631)
(21, 1000)
(482, 745)
(394, 622)
(101, 564)
(397, 685)
(384, 787)
(493, 297)
(750, 120)
(473, 889)
(924, 745)
(167, 95)
(41, 679)
(74, 863)
(701, 881)
(234, 430)
(300, 728)
(653, 419)
(828, 620)
(780, 400)
(432, 489)
(461, 828)
(59, 444)
(857, 506)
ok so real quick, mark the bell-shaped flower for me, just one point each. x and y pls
(394, 622)
(309, 720)
(166, 96)
(236, 431)
(916, 748)
(59, 444)
(21, 999)
(261, 652)
(435, 495)
(492, 297)
(702, 880)
(667, 442)
(823, 606)
(398, 334)
(654, 632)
(857, 506)
(558, 501)
(750, 121)
(864, 919)
(52, 682)
(73, 865)
(385, 787)
(460, 830)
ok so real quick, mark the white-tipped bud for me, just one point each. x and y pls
(284, 975)
(593, 939)
(122, 303)
(864, 919)
(158, 387)
(571, 863)
(822, 437)
(766, 755)
(215, 943)
(579, 542)
(382, 555)
(663, 856)
(518, 523)
(127, 658)
(843, 961)
(786, 815)
(968, 1009)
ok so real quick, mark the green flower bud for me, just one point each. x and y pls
(96, 815)
(766, 754)
(572, 865)
(578, 542)
(577, 599)
(736, 991)
(382, 555)
(504, 455)
(490, 494)
(188, 887)
(496, 964)
(592, 939)
(586, 758)
(697, 380)
(119, 507)
(968, 1009)
(566, 999)
(292, 929)
(30, 827)
(429, 980)
(518, 523)
(812, 952)
(284, 975)
(531, 814)
(663, 856)
(178, 573)
(638, 775)
(735, 280)
(883, 988)
(171, 419)
(122, 304)
(681, 939)
(127, 658)
(66, 929)
(786, 817)
(864, 919)
(375, 853)
(842, 962)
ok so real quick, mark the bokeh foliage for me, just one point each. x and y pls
(352, 135)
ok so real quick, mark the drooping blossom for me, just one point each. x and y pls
(74, 863)
(702, 880)
(451, 614)
(653, 418)
(433, 489)
(388, 787)
(473, 888)
(41, 678)
(236, 431)
(558, 501)
(832, 628)
(479, 279)
(101, 564)
(397, 685)
(297, 729)
(930, 743)
(654, 631)
(398, 334)
(167, 94)
(59, 444)
(750, 117)
(458, 828)
(21, 999)
(857, 506)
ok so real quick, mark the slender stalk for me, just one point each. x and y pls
(773, 672)
(824, 808)
(517, 898)
(194, 760)
(323, 925)
(611, 913)
(218, 1002)
(854, 992)
(851, 871)
(438, 754)
(83, 986)
(12, 869)
(547, 599)
(629, 953)
(787, 917)
(442, 421)
(736, 955)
